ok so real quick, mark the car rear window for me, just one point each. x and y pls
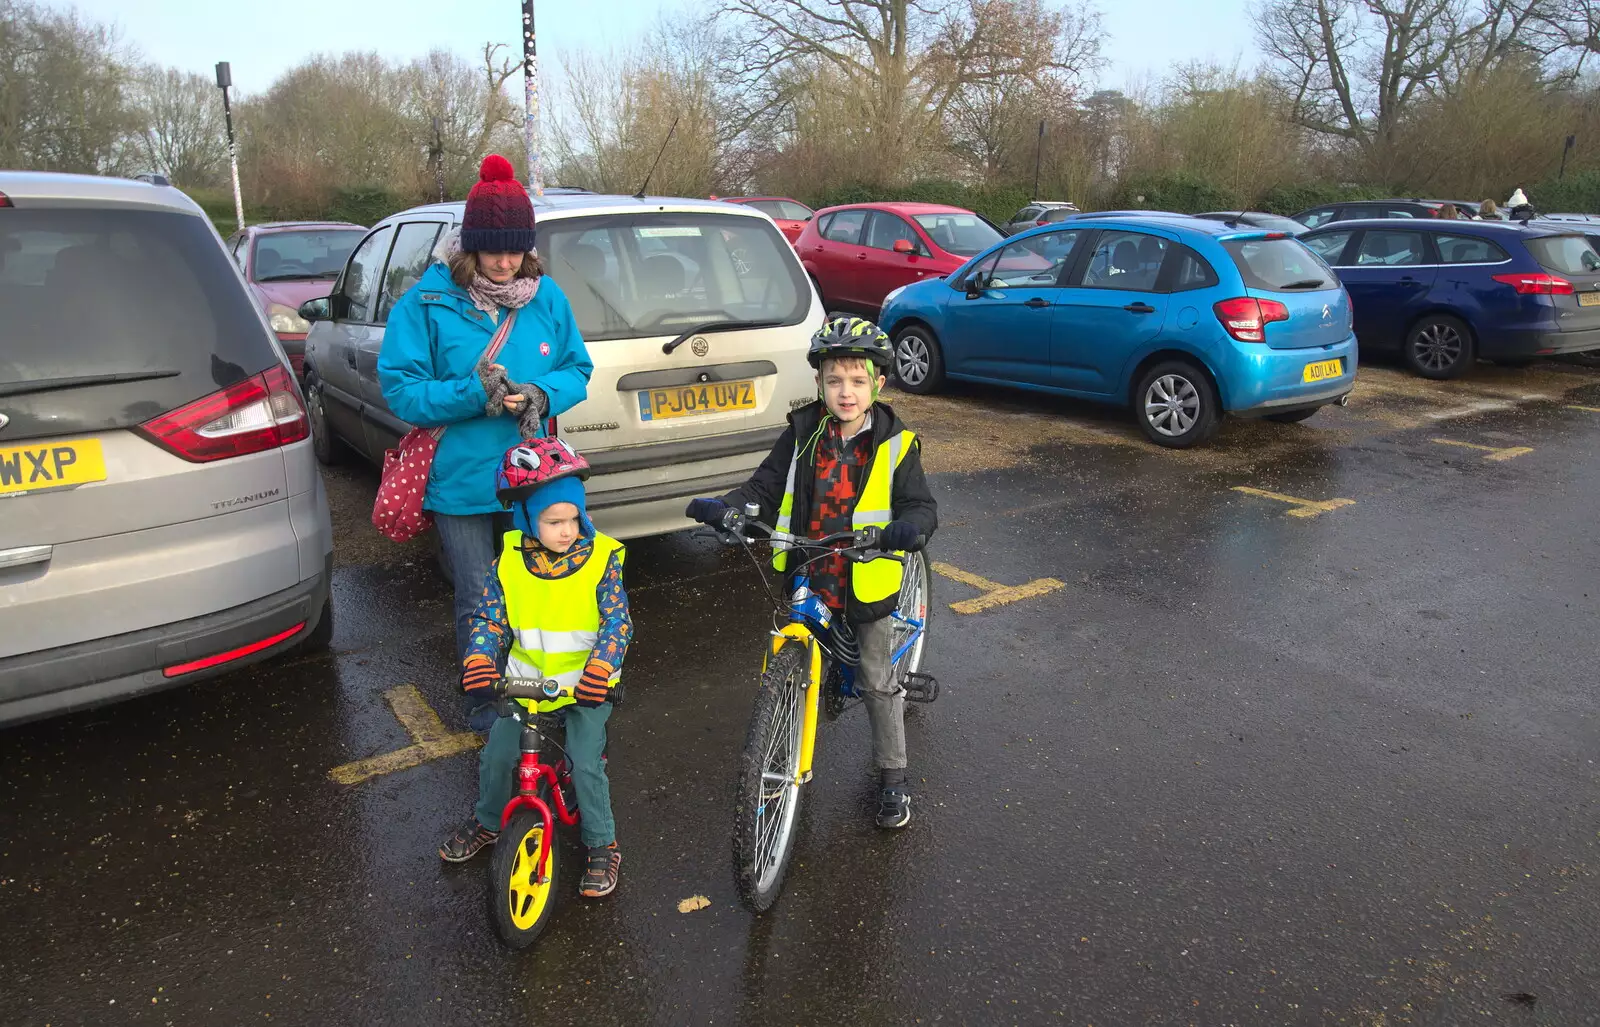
(114, 316)
(635, 276)
(783, 210)
(287, 256)
(961, 234)
(1279, 265)
(1566, 254)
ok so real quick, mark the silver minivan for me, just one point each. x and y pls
(162, 518)
(697, 315)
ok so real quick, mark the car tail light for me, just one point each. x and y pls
(259, 413)
(177, 670)
(1536, 283)
(1246, 318)
(5, 201)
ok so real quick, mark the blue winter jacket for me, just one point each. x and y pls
(428, 371)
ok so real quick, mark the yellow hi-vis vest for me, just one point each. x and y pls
(554, 623)
(873, 580)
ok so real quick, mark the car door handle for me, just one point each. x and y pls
(861, 256)
(1036, 302)
(1139, 308)
(350, 357)
(24, 555)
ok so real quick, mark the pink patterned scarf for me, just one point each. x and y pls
(486, 295)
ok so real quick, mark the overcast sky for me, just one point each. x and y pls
(262, 38)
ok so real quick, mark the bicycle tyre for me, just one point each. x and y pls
(520, 908)
(776, 723)
(919, 574)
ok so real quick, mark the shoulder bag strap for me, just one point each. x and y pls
(496, 344)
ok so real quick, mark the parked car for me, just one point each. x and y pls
(286, 263)
(161, 515)
(1183, 319)
(1257, 219)
(790, 215)
(1039, 212)
(1353, 210)
(857, 254)
(697, 316)
(1447, 292)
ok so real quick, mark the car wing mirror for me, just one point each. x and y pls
(904, 246)
(319, 309)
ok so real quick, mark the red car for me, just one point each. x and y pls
(858, 254)
(286, 263)
(791, 215)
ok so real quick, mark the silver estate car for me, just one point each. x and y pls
(162, 518)
(697, 315)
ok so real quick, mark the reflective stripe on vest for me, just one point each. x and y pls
(873, 580)
(554, 623)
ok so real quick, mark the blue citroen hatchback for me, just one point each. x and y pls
(1180, 318)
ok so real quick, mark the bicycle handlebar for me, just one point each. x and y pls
(863, 547)
(533, 688)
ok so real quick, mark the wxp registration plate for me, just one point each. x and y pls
(50, 465)
(1322, 369)
(689, 400)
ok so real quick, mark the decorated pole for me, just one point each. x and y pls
(530, 88)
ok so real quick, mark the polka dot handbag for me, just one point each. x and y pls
(397, 513)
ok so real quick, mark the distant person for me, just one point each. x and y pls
(1520, 208)
(433, 372)
(1489, 210)
(1449, 212)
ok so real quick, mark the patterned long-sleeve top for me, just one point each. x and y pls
(490, 627)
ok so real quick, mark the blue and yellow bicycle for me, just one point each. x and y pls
(808, 672)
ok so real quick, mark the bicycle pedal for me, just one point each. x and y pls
(920, 687)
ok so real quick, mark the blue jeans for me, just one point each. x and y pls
(586, 744)
(470, 545)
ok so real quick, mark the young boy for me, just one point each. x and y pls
(846, 461)
(553, 606)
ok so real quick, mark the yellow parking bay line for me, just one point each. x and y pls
(429, 740)
(1497, 453)
(994, 593)
(1592, 410)
(1299, 507)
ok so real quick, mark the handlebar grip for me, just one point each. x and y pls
(533, 688)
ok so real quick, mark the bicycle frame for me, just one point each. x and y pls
(806, 613)
(531, 771)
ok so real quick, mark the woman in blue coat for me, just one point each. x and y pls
(433, 369)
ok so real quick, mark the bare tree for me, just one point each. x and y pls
(902, 63)
(1354, 68)
(182, 135)
(62, 91)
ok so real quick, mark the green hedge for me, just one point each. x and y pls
(1577, 193)
(360, 205)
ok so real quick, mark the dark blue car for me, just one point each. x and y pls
(1444, 293)
(1181, 318)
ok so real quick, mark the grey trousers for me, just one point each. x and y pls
(886, 703)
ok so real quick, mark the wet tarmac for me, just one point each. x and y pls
(1246, 766)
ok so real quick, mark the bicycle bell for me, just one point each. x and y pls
(752, 510)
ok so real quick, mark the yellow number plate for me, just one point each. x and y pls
(1589, 299)
(50, 465)
(689, 400)
(1323, 369)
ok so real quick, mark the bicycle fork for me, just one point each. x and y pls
(813, 700)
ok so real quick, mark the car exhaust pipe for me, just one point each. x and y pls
(1344, 400)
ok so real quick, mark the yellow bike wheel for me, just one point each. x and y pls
(519, 901)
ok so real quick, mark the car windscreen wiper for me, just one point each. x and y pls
(716, 326)
(78, 381)
(1308, 283)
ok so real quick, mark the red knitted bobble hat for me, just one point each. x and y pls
(499, 217)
